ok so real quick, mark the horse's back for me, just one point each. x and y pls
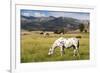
(59, 41)
(66, 41)
(73, 39)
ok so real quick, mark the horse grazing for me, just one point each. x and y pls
(63, 43)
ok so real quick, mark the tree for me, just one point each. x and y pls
(81, 27)
(62, 30)
(59, 31)
(85, 31)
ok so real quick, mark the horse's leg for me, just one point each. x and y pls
(78, 54)
(62, 50)
(76, 51)
(77, 48)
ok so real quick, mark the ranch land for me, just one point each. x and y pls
(35, 47)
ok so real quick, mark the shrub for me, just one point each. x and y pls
(81, 27)
(78, 36)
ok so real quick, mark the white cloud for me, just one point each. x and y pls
(70, 14)
(26, 14)
(57, 14)
(76, 15)
(37, 14)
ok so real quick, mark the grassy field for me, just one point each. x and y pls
(34, 48)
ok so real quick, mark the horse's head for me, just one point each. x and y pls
(50, 51)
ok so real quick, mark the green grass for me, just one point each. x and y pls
(34, 48)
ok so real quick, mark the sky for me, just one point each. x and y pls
(44, 13)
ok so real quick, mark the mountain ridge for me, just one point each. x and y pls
(50, 23)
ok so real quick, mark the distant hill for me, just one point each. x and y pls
(50, 23)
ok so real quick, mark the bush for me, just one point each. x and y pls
(85, 31)
(59, 31)
(81, 27)
(41, 32)
(78, 36)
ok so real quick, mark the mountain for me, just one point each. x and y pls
(50, 23)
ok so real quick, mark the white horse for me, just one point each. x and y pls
(65, 43)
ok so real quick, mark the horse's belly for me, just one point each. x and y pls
(68, 45)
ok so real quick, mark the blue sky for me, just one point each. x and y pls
(44, 13)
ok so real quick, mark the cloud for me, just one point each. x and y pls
(77, 15)
(26, 14)
(38, 14)
(33, 13)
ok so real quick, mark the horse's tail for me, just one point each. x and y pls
(78, 44)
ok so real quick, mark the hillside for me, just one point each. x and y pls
(50, 23)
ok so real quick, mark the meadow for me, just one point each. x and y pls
(34, 47)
